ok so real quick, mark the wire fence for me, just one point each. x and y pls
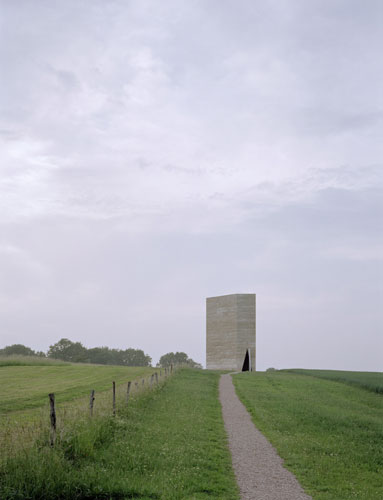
(53, 421)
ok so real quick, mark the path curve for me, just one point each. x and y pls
(257, 466)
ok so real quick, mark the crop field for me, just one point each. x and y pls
(168, 443)
(329, 434)
(25, 386)
(372, 381)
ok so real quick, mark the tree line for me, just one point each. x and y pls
(75, 352)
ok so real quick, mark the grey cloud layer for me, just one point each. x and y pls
(159, 151)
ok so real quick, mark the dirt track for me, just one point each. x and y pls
(257, 466)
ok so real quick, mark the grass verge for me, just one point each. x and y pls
(168, 444)
(330, 435)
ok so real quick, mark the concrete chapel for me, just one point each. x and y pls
(230, 332)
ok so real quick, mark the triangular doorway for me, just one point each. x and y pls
(246, 362)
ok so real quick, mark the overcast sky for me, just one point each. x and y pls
(155, 153)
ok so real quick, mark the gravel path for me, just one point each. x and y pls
(257, 466)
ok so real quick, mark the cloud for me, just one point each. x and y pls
(155, 153)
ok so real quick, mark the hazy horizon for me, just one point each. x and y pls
(154, 154)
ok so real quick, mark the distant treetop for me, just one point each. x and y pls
(178, 358)
(19, 350)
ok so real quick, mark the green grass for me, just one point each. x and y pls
(330, 434)
(24, 387)
(372, 381)
(169, 444)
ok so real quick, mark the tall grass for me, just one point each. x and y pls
(20, 431)
(168, 443)
(18, 360)
(31, 468)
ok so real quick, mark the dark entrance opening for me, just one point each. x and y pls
(246, 362)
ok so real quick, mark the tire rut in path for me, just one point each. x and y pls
(257, 466)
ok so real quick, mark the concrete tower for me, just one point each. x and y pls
(230, 332)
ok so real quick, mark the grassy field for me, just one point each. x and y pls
(372, 381)
(330, 434)
(24, 386)
(170, 441)
(168, 444)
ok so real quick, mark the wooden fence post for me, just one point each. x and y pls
(128, 392)
(136, 384)
(171, 368)
(160, 373)
(143, 382)
(156, 375)
(114, 399)
(91, 401)
(53, 417)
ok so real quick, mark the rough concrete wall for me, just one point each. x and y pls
(246, 328)
(230, 331)
(221, 333)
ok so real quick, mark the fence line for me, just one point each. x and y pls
(128, 392)
(52, 414)
(91, 402)
(19, 432)
(154, 377)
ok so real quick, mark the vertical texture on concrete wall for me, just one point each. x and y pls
(221, 328)
(245, 328)
(230, 331)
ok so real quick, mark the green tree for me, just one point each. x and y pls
(99, 355)
(178, 358)
(135, 357)
(18, 349)
(75, 352)
(127, 357)
(67, 350)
